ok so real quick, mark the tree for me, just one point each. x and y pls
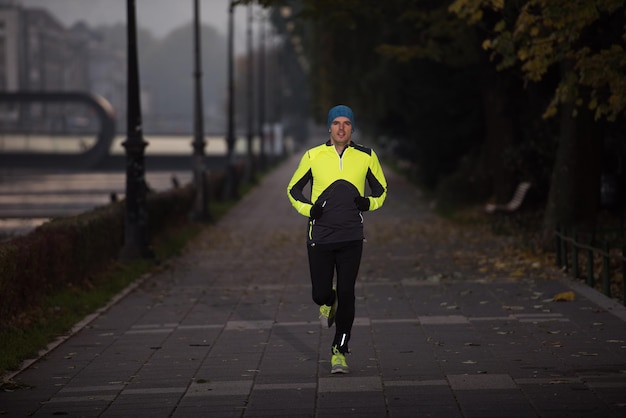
(363, 53)
(540, 56)
(589, 35)
(583, 43)
(167, 71)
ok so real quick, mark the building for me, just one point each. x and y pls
(39, 54)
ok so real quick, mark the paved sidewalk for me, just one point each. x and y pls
(443, 329)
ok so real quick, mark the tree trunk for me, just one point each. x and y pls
(573, 195)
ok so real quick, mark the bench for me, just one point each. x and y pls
(515, 202)
(507, 218)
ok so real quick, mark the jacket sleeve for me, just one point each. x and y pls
(295, 189)
(377, 182)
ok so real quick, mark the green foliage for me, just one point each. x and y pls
(409, 69)
(588, 36)
(432, 34)
(480, 79)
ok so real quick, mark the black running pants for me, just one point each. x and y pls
(324, 260)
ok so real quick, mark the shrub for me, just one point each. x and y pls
(73, 250)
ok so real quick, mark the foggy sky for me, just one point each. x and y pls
(158, 16)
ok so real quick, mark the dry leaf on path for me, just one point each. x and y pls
(564, 297)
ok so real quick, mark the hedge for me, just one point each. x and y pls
(73, 250)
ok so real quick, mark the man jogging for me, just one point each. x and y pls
(337, 170)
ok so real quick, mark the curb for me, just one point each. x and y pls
(597, 297)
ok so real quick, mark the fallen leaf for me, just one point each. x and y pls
(564, 297)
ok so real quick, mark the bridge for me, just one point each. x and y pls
(82, 136)
(61, 169)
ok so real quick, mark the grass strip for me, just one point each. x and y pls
(62, 310)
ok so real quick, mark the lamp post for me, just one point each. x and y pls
(136, 214)
(230, 132)
(279, 139)
(200, 211)
(273, 67)
(261, 81)
(249, 98)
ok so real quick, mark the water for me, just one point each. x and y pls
(28, 197)
(31, 197)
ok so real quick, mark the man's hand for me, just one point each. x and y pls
(362, 203)
(316, 211)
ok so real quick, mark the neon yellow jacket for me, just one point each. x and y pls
(335, 181)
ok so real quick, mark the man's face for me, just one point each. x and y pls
(340, 130)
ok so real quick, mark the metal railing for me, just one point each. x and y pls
(599, 245)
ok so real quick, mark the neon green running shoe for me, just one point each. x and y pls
(327, 313)
(338, 362)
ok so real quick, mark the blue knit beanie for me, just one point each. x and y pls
(341, 110)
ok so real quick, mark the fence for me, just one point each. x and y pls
(603, 250)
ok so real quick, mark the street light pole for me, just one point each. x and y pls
(136, 215)
(250, 96)
(200, 210)
(279, 137)
(261, 81)
(230, 133)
